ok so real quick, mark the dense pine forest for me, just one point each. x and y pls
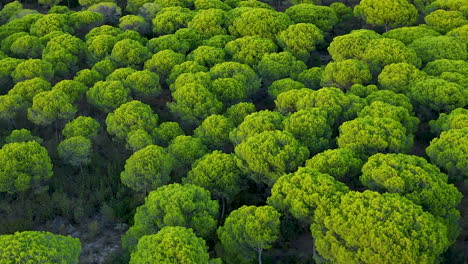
(232, 131)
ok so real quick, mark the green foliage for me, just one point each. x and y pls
(456, 119)
(361, 216)
(205, 67)
(108, 95)
(176, 3)
(300, 39)
(370, 135)
(409, 34)
(398, 113)
(392, 98)
(214, 131)
(398, 77)
(209, 22)
(8, 41)
(393, 13)
(131, 34)
(304, 191)
(311, 78)
(171, 245)
(144, 84)
(75, 150)
(147, 169)
(30, 88)
(163, 62)
(83, 21)
(92, 2)
(432, 96)
(249, 50)
(138, 139)
(9, 10)
(283, 85)
(449, 151)
(103, 30)
(49, 23)
(166, 132)
(186, 150)
(441, 47)
(7, 66)
(148, 10)
(277, 66)
(343, 74)
(443, 21)
(27, 47)
(133, 6)
(419, 181)
(51, 106)
(191, 36)
(447, 5)
(23, 165)
(110, 11)
(31, 69)
(352, 45)
(170, 42)
(129, 52)
(286, 102)
(104, 67)
(422, 5)
(260, 22)
(363, 90)
(460, 33)
(10, 106)
(170, 19)
(74, 89)
(311, 127)
(342, 11)
(382, 52)
(120, 74)
(174, 205)
(251, 4)
(323, 17)
(236, 113)
(22, 135)
(247, 230)
(135, 23)
(207, 56)
(438, 67)
(218, 41)
(340, 107)
(270, 154)
(65, 52)
(18, 25)
(193, 103)
(234, 82)
(209, 4)
(202, 78)
(83, 126)
(58, 9)
(185, 67)
(256, 123)
(39, 247)
(342, 163)
(130, 116)
(218, 173)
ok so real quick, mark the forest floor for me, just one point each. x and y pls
(100, 239)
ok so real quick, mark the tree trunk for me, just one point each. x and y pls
(223, 207)
(56, 131)
(260, 255)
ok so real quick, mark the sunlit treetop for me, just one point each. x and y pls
(388, 13)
